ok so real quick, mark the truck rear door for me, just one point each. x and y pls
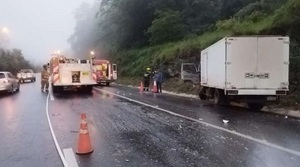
(115, 74)
(272, 62)
(75, 74)
(240, 62)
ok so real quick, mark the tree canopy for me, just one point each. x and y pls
(114, 25)
(13, 61)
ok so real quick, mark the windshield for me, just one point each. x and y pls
(27, 71)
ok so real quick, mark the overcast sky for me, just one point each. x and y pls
(39, 26)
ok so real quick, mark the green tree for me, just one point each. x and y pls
(168, 26)
(13, 61)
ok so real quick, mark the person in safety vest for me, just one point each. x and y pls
(45, 79)
(147, 77)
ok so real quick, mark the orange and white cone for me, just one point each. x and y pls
(84, 142)
(154, 90)
(141, 87)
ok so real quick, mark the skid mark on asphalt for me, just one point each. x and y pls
(263, 142)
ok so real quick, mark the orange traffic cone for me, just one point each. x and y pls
(141, 87)
(84, 142)
(154, 89)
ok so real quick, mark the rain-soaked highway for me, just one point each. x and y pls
(131, 129)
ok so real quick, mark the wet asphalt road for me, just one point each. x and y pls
(124, 133)
(25, 138)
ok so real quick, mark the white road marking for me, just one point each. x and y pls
(70, 157)
(53, 135)
(263, 142)
(51, 95)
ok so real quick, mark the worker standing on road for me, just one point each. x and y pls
(45, 78)
(159, 80)
(147, 77)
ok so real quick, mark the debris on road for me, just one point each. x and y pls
(225, 121)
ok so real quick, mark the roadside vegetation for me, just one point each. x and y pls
(162, 34)
(13, 61)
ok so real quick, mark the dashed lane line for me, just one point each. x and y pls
(70, 157)
(53, 135)
(51, 95)
(263, 142)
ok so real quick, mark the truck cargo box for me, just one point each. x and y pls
(247, 65)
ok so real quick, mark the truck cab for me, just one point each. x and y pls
(190, 73)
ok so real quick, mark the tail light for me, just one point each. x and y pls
(6, 81)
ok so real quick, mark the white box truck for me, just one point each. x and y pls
(250, 69)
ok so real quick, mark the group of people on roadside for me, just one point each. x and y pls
(157, 76)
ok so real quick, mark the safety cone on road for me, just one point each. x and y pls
(141, 87)
(154, 89)
(84, 142)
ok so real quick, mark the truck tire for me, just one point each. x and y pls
(18, 88)
(219, 97)
(202, 94)
(107, 83)
(255, 106)
(87, 89)
(55, 89)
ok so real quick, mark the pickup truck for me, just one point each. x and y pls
(26, 75)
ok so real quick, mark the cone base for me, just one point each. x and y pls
(82, 153)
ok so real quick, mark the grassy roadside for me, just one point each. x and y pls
(173, 85)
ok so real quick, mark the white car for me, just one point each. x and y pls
(26, 75)
(8, 82)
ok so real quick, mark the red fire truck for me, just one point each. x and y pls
(106, 71)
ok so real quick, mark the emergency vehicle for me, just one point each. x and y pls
(106, 72)
(71, 74)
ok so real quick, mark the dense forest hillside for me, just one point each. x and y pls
(162, 34)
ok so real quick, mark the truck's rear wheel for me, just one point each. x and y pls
(56, 89)
(86, 89)
(219, 97)
(107, 83)
(256, 106)
(89, 89)
(202, 94)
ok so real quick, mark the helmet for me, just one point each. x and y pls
(148, 69)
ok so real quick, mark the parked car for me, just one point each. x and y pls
(8, 82)
(26, 75)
